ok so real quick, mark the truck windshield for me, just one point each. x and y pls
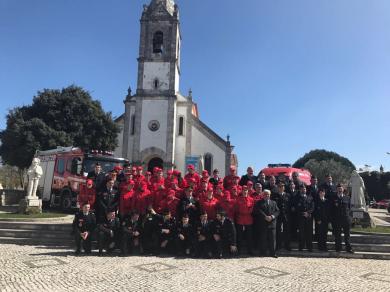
(107, 165)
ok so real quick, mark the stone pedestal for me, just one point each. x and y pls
(30, 205)
(2, 199)
(362, 218)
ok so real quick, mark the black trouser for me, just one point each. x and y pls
(267, 240)
(105, 240)
(305, 231)
(244, 233)
(150, 242)
(222, 247)
(86, 243)
(127, 242)
(322, 234)
(169, 248)
(183, 245)
(202, 248)
(316, 231)
(294, 227)
(283, 230)
(342, 227)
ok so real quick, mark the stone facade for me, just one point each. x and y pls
(159, 123)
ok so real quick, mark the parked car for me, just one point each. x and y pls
(382, 204)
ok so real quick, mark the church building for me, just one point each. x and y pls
(160, 126)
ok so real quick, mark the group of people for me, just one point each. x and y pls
(207, 216)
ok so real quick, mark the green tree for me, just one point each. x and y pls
(56, 117)
(323, 155)
(340, 172)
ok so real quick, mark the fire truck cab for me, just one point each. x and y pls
(64, 169)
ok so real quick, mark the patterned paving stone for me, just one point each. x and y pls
(266, 272)
(155, 267)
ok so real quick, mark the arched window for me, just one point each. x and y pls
(158, 43)
(208, 162)
(181, 126)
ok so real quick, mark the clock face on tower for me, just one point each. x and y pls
(154, 125)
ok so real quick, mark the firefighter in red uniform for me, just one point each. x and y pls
(257, 195)
(226, 204)
(218, 191)
(126, 197)
(209, 204)
(200, 192)
(141, 199)
(228, 181)
(170, 203)
(205, 175)
(192, 175)
(87, 194)
(243, 218)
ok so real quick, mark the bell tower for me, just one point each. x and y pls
(159, 50)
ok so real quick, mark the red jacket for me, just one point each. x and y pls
(243, 210)
(226, 204)
(257, 197)
(87, 196)
(169, 203)
(125, 202)
(141, 200)
(210, 207)
(195, 176)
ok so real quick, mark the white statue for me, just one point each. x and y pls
(34, 173)
(358, 200)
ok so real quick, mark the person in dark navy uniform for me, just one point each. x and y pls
(341, 219)
(107, 199)
(283, 227)
(224, 235)
(98, 177)
(83, 226)
(266, 211)
(321, 218)
(108, 233)
(131, 233)
(304, 206)
(167, 232)
(184, 236)
(203, 237)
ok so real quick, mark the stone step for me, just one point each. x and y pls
(356, 246)
(35, 226)
(334, 254)
(37, 241)
(47, 234)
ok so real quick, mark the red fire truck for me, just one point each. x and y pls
(65, 168)
(284, 172)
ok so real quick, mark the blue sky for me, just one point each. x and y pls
(281, 77)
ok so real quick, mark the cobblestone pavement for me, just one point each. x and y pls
(31, 268)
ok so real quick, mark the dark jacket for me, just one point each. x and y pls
(284, 203)
(304, 204)
(83, 223)
(225, 230)
(110, 225)
(108, 200)
(340, 209)
(322, 210)
(263, 209)
(245, 178)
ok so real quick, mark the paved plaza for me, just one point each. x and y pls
(31, 268)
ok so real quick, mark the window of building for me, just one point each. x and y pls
(181, 126)
(158, 43)
(208, 162)
(155, 83)
(132, 124)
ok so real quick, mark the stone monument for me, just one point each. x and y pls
(2, 196)
(31, 203)
(359, 208)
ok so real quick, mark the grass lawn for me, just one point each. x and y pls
(372, 230)
(24, 216)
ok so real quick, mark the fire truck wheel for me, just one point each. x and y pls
(66, 202)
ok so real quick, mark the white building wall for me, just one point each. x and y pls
(154, 110)
(180, 145)
(131, 137)
(153, 71)
(200, 145)
(118, 149)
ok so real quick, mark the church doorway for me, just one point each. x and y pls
(155, 162)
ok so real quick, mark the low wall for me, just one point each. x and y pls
(11, 197)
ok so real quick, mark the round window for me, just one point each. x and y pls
(154, 125)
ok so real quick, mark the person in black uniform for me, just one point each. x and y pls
(304, 207)
(98, 177)
(266, 211)
(215, 179)
(283, 227)
(184, 236)
(107, 199)
(321, 217)
(329, 186)
(108, 233)
(83, 226)
(341, 220)
(203, 237)
(131, 233)
(224, 235)
(188, 205)
(150, 236)
(248, 177)
(167, 232)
